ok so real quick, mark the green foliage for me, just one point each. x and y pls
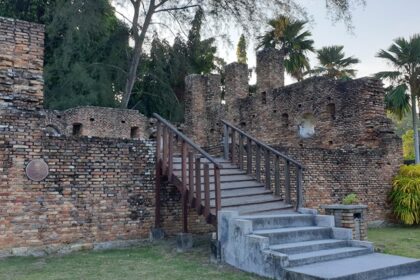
(241, 50)
(350, 199)
(404, 56)
(86, 50)
(290, 36)
(162, 84)
(408, 145)
(29, 10)
(405, 194)
(334, 64)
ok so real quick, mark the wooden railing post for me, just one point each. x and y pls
(287, 182)
(226, 141)
(165, 151)
(299, 189)
(241, 152)
(258, 163)
(276, 175)
(217, 189)
(158, 174)
(267, 169)
(184, 187)
(198, 185)
(248, 156)
(206, 190)
(170, 156)
(190, 178)
(233, 146)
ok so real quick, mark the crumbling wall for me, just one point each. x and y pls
(338, 129)
(99, 122)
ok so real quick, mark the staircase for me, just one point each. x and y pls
(261, 225)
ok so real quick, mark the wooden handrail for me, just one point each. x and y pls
(265, 152)
(187, 140)
(189, 183)
(263, 145)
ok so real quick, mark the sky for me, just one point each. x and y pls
(376, 25)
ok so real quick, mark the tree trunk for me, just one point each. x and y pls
(138, 48)
(415, 125)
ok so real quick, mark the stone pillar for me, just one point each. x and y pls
(349, 216)
(236, 87)
(270, 70)
(203, 108)
(21, 64)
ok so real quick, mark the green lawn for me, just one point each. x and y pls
(403, 241)
(146, 262)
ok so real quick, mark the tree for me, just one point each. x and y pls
(334, 64)
(245, 12)
(241, 50)
(404, 56)
(29, 10)
(289, 36)
(86, 50)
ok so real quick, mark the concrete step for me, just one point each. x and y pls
(366, 267)
(415, 276)
(251, 191)
(326, 255)
(293, 235)
(223, 172)
(247, 200)
(256, 208)
(309, 246)
(280, 221)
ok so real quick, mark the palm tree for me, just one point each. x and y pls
(334, 64)
(289, 36)
(404, 56)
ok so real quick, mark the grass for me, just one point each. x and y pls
(158, 261)
(402, 241)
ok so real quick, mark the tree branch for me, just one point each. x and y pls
(177, 8)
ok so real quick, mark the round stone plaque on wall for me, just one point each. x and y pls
(37, 170)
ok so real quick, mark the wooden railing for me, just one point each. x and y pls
(249, 153)
(196, 162)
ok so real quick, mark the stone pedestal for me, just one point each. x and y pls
(349, 216)
(184, 242)
(156, 234)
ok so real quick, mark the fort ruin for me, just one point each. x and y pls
(100, 187)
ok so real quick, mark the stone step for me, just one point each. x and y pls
(256, 208)
(293, 235)
(309, 246)
(367, 267)
(251, 191)
(326, 255)
(223, 172)
(279, 221)
(247, 200)
(415, 276)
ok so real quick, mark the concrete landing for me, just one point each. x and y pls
(372, 267)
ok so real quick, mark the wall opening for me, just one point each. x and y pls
(77, 129)
(135, 132)
(331, 110)
(306, 126)
(52, 130)
(285, 120)
(264, 97)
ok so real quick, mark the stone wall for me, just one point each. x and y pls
(99, 191)
(338, 129)
(98, 122)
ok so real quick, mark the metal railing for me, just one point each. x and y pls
(193, 170)
(242, 149)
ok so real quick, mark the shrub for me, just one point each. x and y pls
(350, 199)
(405, 194)
(408, 145)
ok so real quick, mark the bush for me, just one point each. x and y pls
(350, 199)
(408, 145)
(405, 194)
